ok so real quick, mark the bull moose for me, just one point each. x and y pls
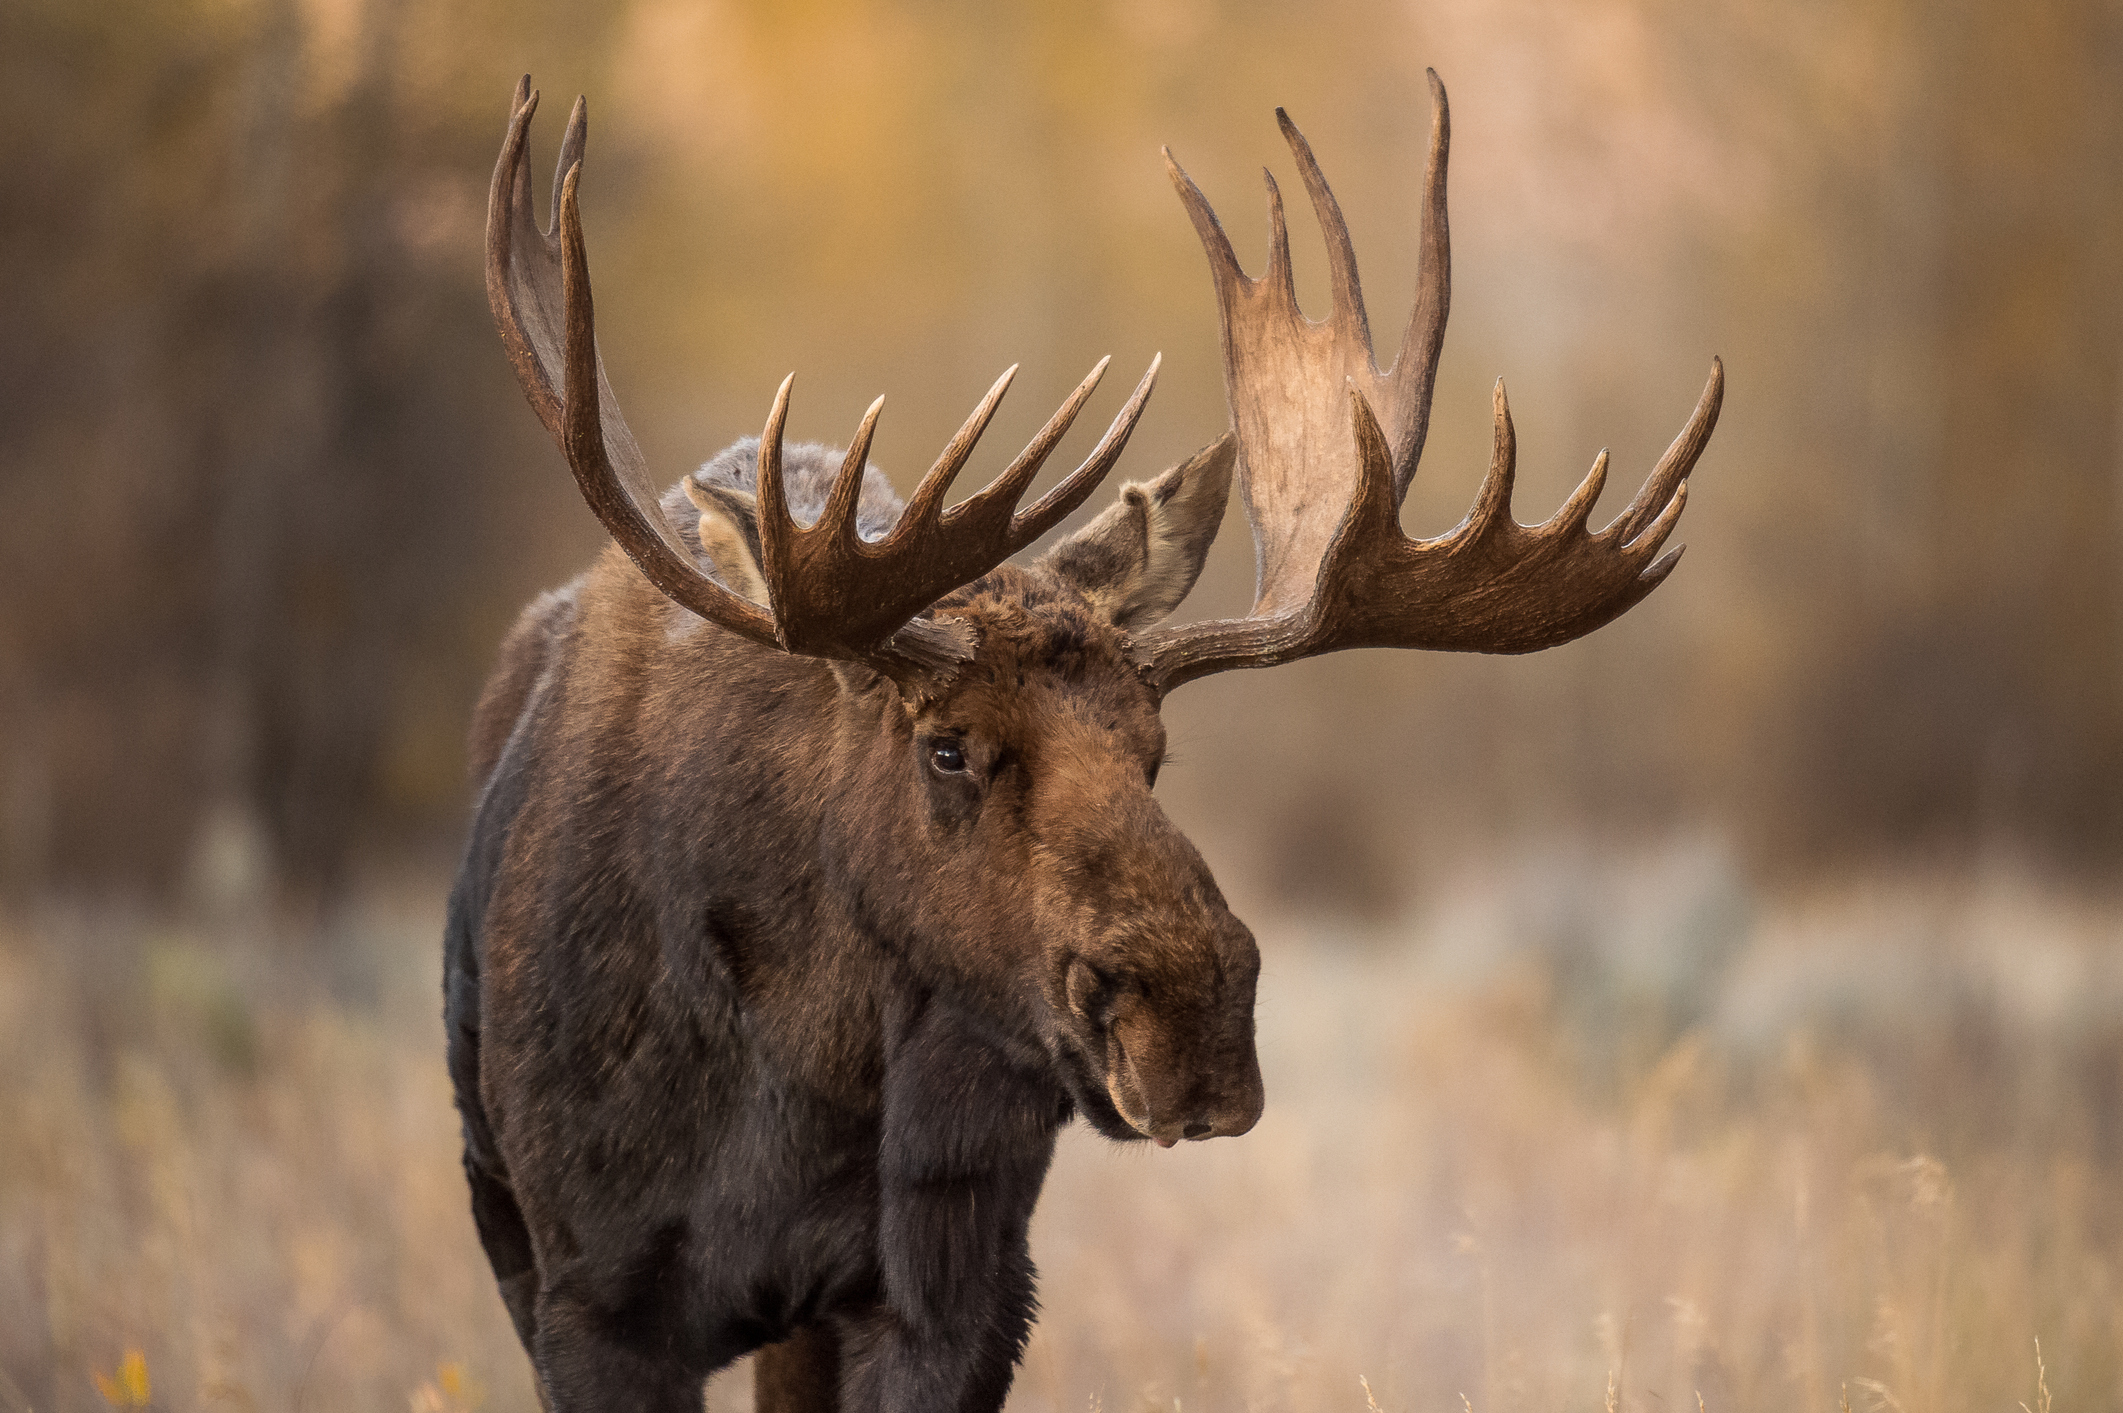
(816, 878)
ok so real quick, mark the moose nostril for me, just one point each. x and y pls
(1198, 1130)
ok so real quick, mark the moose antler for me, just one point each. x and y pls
(834, 594)
(1333, 569)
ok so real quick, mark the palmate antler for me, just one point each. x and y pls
(834, 594)
(1328, 445)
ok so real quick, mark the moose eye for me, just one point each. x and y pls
(947, 757)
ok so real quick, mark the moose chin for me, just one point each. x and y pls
(817, 878)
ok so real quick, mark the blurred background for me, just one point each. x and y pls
(1829, 825)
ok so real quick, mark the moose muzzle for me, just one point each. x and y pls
(1173, 1080)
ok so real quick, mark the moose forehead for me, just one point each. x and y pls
(1046, 659)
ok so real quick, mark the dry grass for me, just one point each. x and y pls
(1862, 1147)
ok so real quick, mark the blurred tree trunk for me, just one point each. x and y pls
(239, 461)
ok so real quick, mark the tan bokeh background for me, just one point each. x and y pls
(1795, 880)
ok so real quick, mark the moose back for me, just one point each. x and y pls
(816, 878)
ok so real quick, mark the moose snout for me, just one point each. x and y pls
(1228, 1119)
(1168, 1094)
(1227, 1116)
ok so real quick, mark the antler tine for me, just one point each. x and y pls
(928, 497)
(1570, 519)
(1223, 264)
(579, 399)
(593, 437)
(1680, 457)
(1348, 312)
(1374, 515)
(515, 292)
(1647, 543)
(1656, 574)
(1077, 486)
(776, 525)
(1494, 498)
(573, 140)
(1414, 371)
(993, 503)
(1278, 277)
(838, 517)
(518, 195)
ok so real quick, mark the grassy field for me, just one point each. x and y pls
(1578, 1136)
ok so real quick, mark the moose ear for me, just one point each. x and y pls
(729, 534)
(1136, 561)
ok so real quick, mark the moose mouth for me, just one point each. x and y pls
(1100, 1097)
(1124, 1090)
(1142, 1074)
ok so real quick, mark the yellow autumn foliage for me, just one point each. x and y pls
(126, 1386)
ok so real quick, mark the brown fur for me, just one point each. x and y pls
(762, 1021)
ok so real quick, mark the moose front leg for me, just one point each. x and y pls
(968, 1135)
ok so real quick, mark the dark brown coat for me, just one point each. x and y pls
(769, 987)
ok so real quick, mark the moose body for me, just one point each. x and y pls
(745, 1046)
(816, 878)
